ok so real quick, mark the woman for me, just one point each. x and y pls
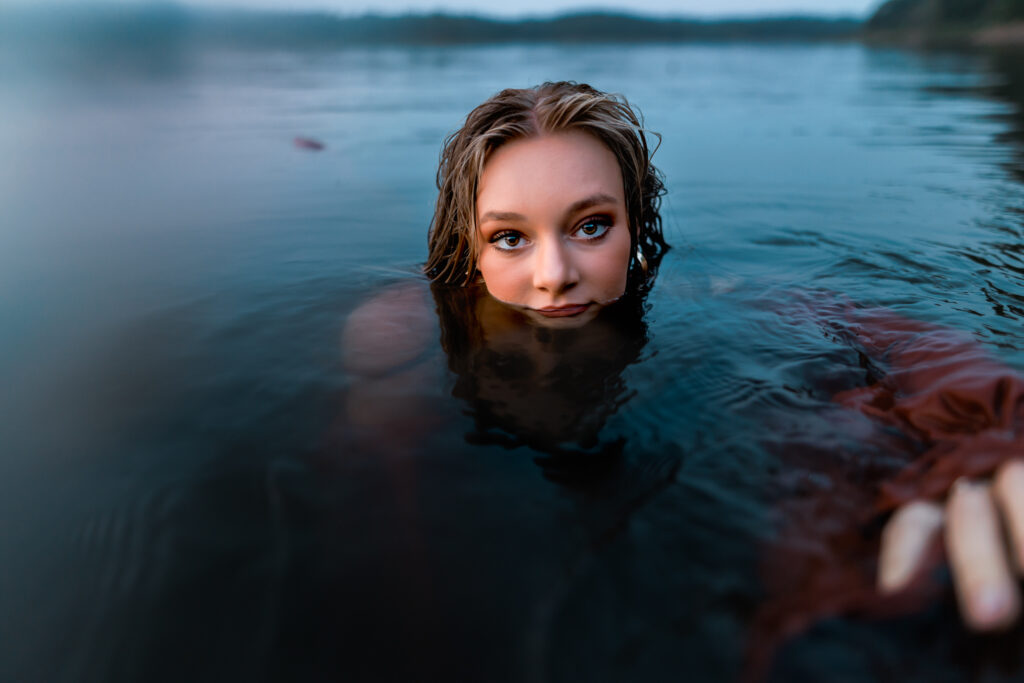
(548, 218)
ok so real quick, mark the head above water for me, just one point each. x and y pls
(547, 196)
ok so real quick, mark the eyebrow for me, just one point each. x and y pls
(580, 205)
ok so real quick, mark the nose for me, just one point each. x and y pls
(554, 269)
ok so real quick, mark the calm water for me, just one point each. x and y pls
(185, 493)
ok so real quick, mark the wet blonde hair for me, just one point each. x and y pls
(520, 113)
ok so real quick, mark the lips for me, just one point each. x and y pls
(562, 311)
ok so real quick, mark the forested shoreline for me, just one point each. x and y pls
(105, 27)
(948, 22)
(149, 25)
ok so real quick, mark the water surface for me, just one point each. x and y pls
(185, 494)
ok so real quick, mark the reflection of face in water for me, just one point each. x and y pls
(525, 384)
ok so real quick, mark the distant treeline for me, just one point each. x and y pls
(903, 14)
(147, 26)
(949, 22)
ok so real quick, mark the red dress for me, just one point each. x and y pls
(962, 414)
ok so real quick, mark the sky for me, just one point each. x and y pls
(697, 8)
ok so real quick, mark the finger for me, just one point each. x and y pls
(905, 542)
(1009, 493)
(985, 587)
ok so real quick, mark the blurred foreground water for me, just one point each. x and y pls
(183, 495)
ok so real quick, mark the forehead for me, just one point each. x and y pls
(548, 169)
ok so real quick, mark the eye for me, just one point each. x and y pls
(594, 227)
(507, 240)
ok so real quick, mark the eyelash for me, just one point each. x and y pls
(602, 221)
(503, 234)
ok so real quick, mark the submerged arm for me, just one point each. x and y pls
(384, 344)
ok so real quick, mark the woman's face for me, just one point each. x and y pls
(554, 233)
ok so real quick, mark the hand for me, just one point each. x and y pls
(982, 563)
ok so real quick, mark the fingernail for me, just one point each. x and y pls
(963, 484)
(991, 603)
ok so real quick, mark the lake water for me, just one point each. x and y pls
(186, 495)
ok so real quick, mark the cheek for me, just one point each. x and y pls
(501, 276)
(610, 270)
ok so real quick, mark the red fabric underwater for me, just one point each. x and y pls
(962, 410)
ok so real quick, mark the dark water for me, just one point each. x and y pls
(185, 493)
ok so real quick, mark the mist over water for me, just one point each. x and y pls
(183, 493)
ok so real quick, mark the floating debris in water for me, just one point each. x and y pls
(308, 143)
